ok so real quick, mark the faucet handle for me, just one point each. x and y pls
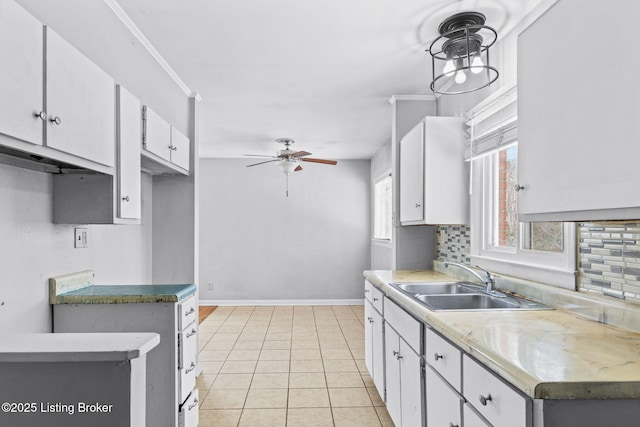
(489, 276)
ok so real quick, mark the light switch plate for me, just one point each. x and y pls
(81, 237)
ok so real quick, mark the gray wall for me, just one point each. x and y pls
(257, 244)
(32, 249)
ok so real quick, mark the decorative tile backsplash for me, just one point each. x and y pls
(609, 258)
(608, 255)
(453, 243)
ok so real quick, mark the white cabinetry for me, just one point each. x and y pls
(373, 336)
(403, 366)
(433, 174)
(444, 404)
(80, 103)
(164, 147)
(170, 366)
(89, 198)
(577, 129)
(21, 50)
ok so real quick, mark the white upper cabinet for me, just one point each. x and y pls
(433, 173)
(179, 149)
(21, 74)
(80, 103)
(578, 114)
(164, 148)
(129, 134)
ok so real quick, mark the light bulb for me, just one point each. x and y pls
(477, 65)
(449, 68)
(461, 77)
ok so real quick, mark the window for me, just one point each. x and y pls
(382, 208)
(539, 251)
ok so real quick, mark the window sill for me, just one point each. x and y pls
(539, 273)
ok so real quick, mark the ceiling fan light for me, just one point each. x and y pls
(287, 166)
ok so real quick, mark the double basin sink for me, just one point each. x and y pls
(463, 296)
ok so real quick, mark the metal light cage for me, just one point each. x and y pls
(463, 38)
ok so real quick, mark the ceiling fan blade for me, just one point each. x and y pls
(299, 168)
(261, 163)
(326, 162)
(301, 154)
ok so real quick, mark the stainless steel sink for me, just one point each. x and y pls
(436, 288)
(470, 302)
(463, 296)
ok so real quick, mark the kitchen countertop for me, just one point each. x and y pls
(79, 288)
(90, 347)
(548, 354)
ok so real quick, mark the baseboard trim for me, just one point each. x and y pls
(282, 302)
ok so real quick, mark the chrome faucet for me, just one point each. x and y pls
(488, 280)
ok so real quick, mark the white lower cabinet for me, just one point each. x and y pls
(403, 367)
(444, 404)
(471, 417)
(374, 346)
(171, 366)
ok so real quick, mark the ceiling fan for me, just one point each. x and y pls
(289, 160)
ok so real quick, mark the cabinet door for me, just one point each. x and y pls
(443, 403)
(410, 386)
(411, 175)
(128, 143)
(80, 103)
(157, 135)
(578, 148)
(378, 352)
(368, 336)
(21, 73)
(392, 375)
(179, 149)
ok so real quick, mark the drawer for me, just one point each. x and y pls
(445, 358)
(187, 353)
(444, 404)
(406, 326)
(187, 312)
(496, 401)
(373, 295)
(188, 415)
(472, 418)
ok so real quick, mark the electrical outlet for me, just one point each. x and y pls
(443, 237)
(81, 237)
(210, 286)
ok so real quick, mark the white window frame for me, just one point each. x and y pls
(553, 268)
(379, 179)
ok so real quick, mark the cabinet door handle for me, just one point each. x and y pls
(453, 425)
(397, 354)
(366, 291)
(126, 198)
(484, 400)
(418, 205)
(370, 319)
(173, 148)
(190, 312)
(57, 120)
(192, 333)
(518, 187)
(438, 356)
(40, 115)
(193, 405)
(190, 368)
(375, 299)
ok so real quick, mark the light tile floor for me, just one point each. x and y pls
(286, 366)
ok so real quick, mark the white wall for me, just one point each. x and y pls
(257, 244)
(32, 249)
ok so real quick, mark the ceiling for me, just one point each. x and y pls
(319, 72)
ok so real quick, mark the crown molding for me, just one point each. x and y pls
(135, 31)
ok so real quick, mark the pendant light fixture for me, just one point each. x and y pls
(461, 54)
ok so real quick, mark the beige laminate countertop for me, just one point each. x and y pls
(548, 354)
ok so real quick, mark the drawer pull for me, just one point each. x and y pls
(192, 333)
(193, 405)
(437, 356)
(193, 310)
(484, 400)
(370, 319)
(453, 425)
(375, 299)
(397, 354)
(190, 368)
